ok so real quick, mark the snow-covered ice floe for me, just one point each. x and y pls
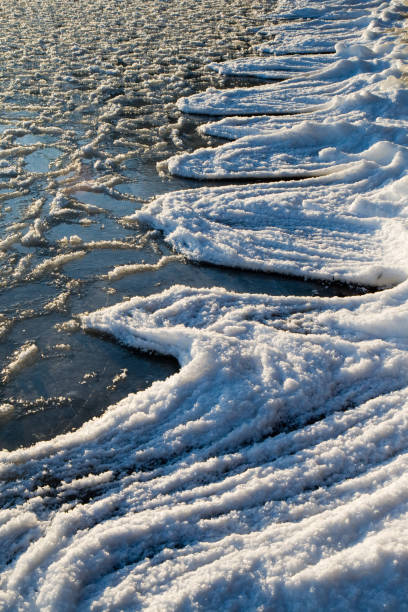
(318, 230)
(270, 472)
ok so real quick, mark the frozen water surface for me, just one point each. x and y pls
(230, 438)
(88, 98)
(40, 161)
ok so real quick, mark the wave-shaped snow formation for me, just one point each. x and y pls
(270, 472)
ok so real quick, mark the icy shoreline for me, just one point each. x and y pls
(271, 470)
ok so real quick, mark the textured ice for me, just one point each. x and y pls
(275, 67)
(302, 93)
(385, 107)
(219, 473)
(269, 472)
(321, 35)
(308, 148)
(323, 229)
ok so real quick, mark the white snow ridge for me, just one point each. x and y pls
(271, 471)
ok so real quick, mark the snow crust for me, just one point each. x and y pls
(270, 472)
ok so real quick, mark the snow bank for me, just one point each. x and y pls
(270, 472)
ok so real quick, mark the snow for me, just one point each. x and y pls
(23, 357)
(258, 493)
(119, 272)
(321, 35)
(305, 92)
(362, 105)
(270, 471)
(54, 263)
(307, 230)
(275, 67)
(309, 148)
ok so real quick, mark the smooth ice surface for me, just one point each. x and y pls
(270, 470)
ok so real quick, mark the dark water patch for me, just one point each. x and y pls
(59, 393)
(29, 139)
(109, 203)
(240, 281)
(253, 113)
(231, 81)
(252, 180)
(251, 80)
(146, 183)
(92, 228)
(303, 52)
(98, 262)
(24, 296)
(21, 115)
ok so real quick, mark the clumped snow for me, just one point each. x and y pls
(270, 472)
(22, 357)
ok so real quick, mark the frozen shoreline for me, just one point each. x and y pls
(271, 470)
